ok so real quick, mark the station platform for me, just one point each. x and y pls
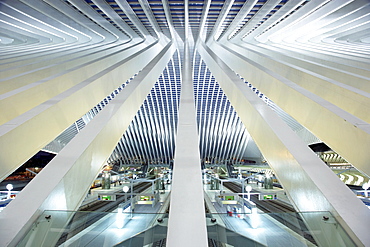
(117, 226)
(147, 226)
(260, 227)
(256, 188)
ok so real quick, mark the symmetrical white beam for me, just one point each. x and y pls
(309, 183)
(323, 118)
(187, 223)
(63, 184)
(26, 134)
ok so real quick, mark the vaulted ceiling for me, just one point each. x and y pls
(69, 32)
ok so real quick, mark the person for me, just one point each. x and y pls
(228, 211)
(235, 211)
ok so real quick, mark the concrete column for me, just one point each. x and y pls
(64, 182)
(187, 224)
(339, 125)
(24, 135)
(309, 183)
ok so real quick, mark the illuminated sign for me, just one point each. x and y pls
(229, 198)
(107, 197)
(145, 198)
(269, 197)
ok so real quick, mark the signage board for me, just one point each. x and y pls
(110, 197)
(269, 196)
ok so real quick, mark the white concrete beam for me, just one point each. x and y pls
(187, 222)
(309, 183)
(29, 89)
(25, 135)
(339, 129)
(64, 182)
(342, 88)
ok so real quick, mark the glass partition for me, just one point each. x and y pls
(277, 229)
(66, 228)
(70, 228)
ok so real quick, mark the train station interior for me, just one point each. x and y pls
(184, 123)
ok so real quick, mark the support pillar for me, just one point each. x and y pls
(64, 182)
(187, 223)
(309, 183)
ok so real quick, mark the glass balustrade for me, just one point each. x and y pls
(67, 228)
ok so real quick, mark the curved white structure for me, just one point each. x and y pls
(100, 82)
